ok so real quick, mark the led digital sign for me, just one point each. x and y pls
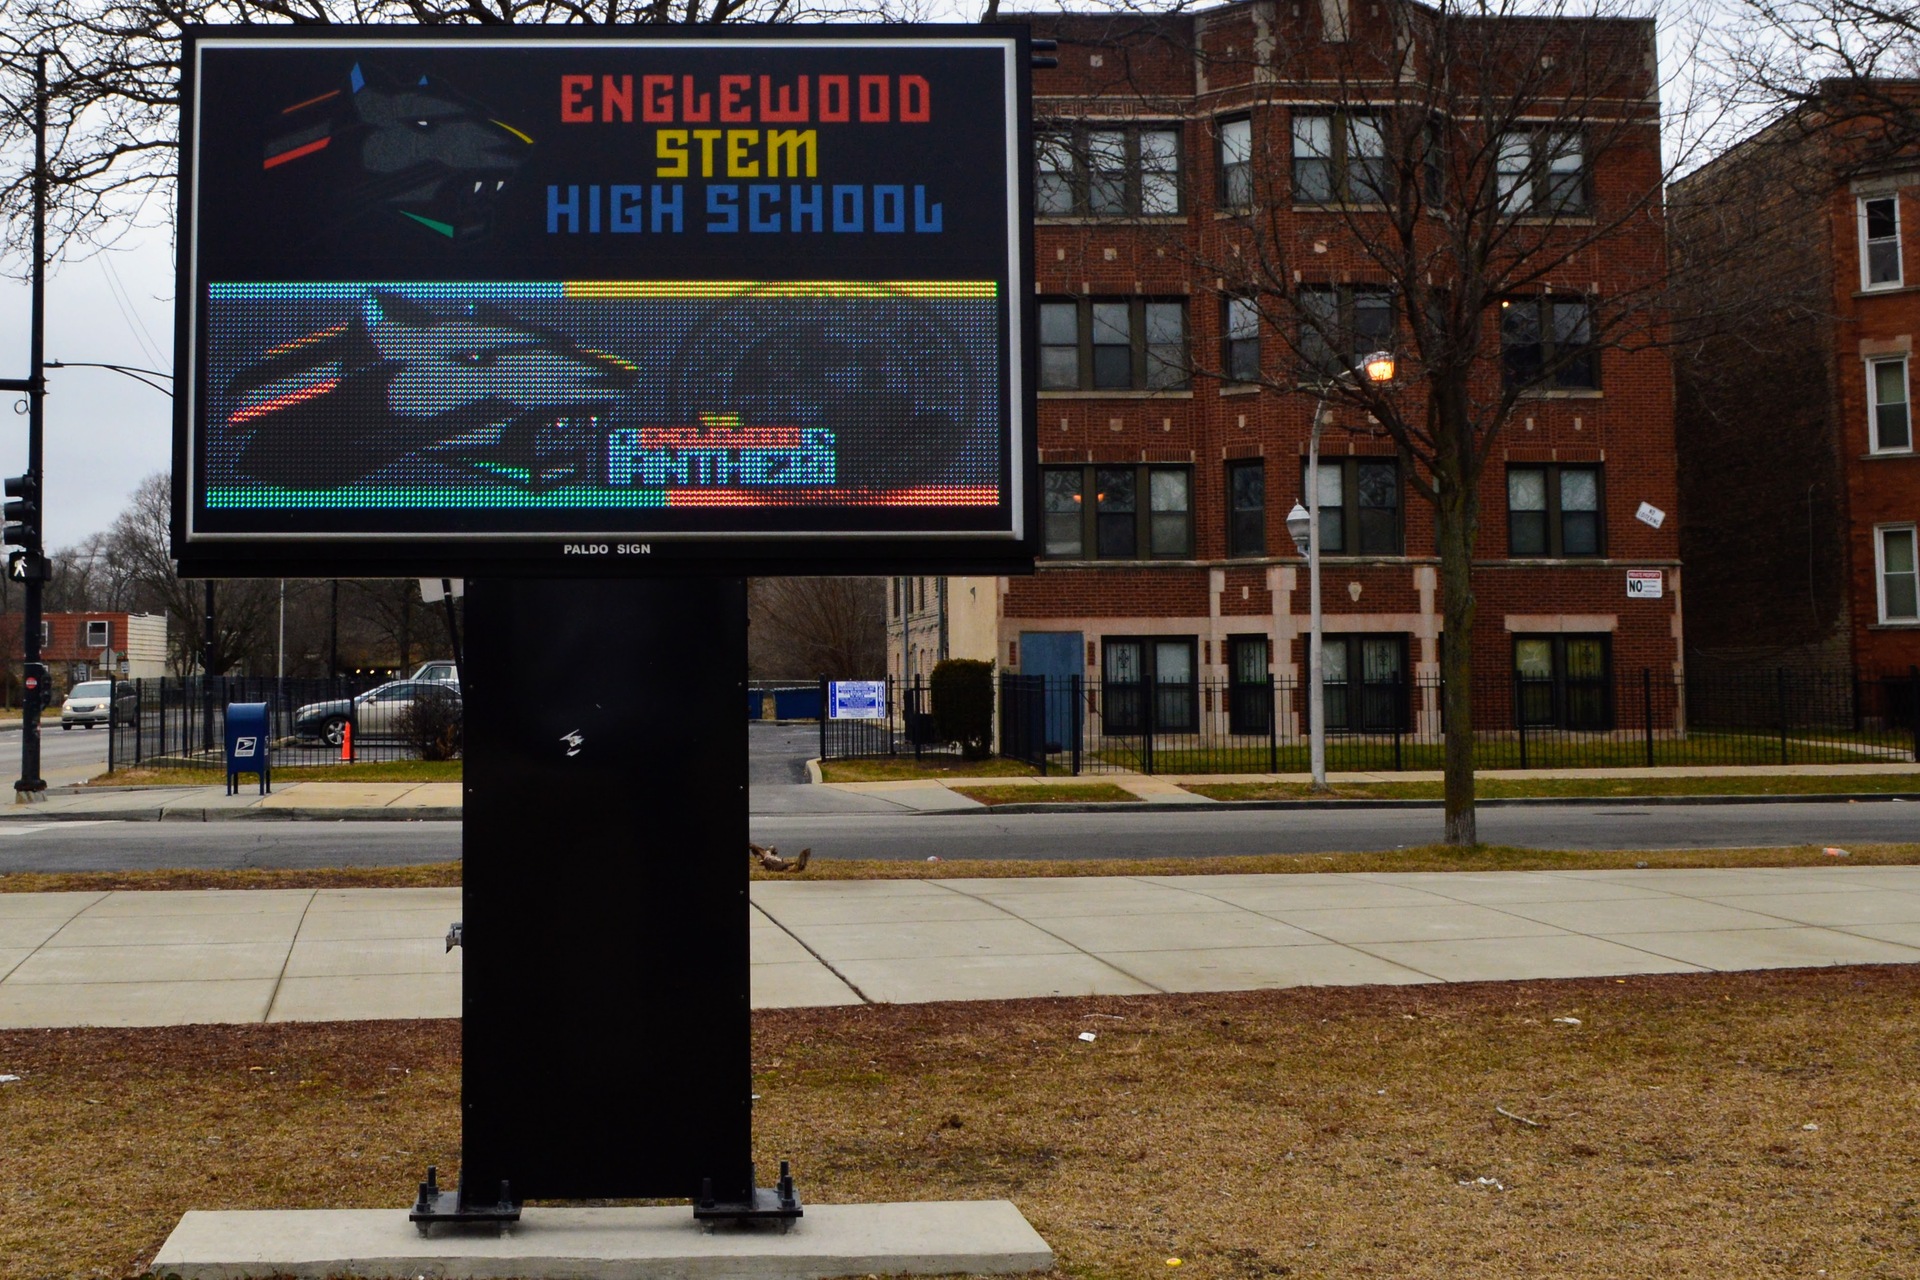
(550, 301)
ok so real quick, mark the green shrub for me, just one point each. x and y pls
(963, 704)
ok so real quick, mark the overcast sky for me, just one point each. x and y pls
(105, 432)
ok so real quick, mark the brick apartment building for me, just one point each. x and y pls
(1799, 479)
(1173, 437)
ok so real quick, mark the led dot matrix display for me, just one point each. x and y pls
(499, 304)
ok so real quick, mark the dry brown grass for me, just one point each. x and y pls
(1750, 1125)
(1432, 857)
(909, 768)
(1753, 784)
(376, 771)
(1421, 858)
(424, 876)
(1050, 793)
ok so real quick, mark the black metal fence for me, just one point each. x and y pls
(907, 728)
(180, 723)
(1073, 725)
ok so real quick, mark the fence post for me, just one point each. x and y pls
(113, 716)
(1273, 724)
(1146, 739)
(1074, 722)
(139, 716)
(1646, 710)
(1913, 708)
(1520, 715)
(823, 717)
(1780, 700)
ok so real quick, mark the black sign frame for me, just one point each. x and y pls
(873, 537)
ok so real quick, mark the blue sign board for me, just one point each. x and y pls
(857, 700)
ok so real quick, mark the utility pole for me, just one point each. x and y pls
(207, 652)
(25, 522)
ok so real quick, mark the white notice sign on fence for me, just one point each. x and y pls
(857, 700)
(1643, 584)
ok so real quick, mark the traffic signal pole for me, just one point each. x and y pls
(23, 510)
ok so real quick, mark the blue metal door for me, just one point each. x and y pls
(1059, 656)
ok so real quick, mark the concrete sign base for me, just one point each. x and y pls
(980, 1237)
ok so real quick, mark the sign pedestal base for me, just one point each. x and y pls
(975, 1237)
(606, 1042)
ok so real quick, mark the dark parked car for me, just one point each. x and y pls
(377, 713)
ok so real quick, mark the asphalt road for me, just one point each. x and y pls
(59, 749)
(790, 814)
(1191, 834)
(100, 846)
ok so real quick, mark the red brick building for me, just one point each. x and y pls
(1172, 433)
(1800, 480)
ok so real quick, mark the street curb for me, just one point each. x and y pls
(442, 813)
(453, 813)
(1523, 802)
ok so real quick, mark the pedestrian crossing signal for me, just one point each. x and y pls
(25, 566)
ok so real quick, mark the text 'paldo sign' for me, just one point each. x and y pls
(555, 301)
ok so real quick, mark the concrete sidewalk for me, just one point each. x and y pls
(164, 958)
(325, 801)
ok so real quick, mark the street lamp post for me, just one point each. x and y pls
(1304, 526)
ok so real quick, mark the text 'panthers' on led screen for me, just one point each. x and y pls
(484, 301)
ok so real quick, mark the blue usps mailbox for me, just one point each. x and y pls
(247, 744)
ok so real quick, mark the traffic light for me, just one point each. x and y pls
(22, 512)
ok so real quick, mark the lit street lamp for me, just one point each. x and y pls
(1304, 525)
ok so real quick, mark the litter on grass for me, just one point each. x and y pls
(9, 1079)
(1088, 1036)
(1571, 1022)
(1832, 852)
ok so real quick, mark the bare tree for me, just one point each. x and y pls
(810, 626)
(114, 84)
(1783, 54)
(246, 612)
(1475, 170)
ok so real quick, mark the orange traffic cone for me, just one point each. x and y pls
(346, 741)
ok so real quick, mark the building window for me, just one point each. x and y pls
(1064, 489)
(1249, 685)
(46, 635)
(1898, 571)
(1364, 682)
(1235, 157)
(1149, 684)
(1122, 513)
(1880, 242)
(1112, 344)
(1892, 425)
(1541, 173)
(1247, 508)
(1554, 511)
(1340, 159)
(1547, 344)
(1564, 681)
(99, 634)
(1341, 326)
(1359, 506)
(1082, 170)
(1241, 325)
